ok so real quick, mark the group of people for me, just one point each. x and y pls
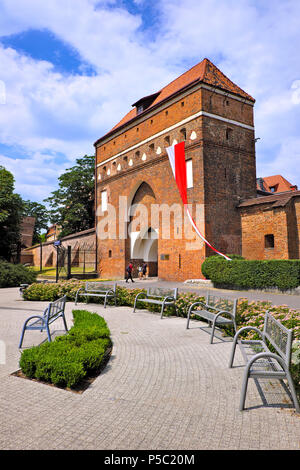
(142, 271)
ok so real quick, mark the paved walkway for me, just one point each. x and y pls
(165, 388)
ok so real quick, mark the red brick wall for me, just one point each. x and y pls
(86, 238)
(259, 221)
(283, 222)
(223, 171)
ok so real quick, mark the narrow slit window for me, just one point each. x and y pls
(183, 134)
(228, 133)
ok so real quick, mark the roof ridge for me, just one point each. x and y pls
(182, 74)
(227, 79)
(205, 71)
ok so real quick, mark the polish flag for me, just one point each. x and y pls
(176, 154)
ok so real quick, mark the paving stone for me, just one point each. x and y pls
(164, 387)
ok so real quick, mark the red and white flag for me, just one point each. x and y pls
(176, 154)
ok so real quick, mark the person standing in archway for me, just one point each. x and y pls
(144, 269)
(129, 272)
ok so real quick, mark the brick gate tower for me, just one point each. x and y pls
(133, 176)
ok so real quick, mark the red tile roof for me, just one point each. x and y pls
(276, 200)
(278, 182)
(205, 72)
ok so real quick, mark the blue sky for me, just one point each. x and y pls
(70, 69)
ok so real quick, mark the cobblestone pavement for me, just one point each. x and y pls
(164, 388)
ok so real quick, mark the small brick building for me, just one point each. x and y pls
(271, 226)
(238, 213)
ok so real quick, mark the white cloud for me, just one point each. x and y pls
(253, 43)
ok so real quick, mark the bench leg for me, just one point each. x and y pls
(175, 309)
(105, 301)
(212, 332)
(233, 351)
(188, 318)
(22, 336)
(65, 323)
(162, 311)
(48, 333)
(244, 389)
(293, 391)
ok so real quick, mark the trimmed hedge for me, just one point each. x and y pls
(252, 274)
(69, 358)
(125, 297)
(12, 275)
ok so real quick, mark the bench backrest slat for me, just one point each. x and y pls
(279, 336)
(99, 287)
(222, 303)
(161, 292)
(56, 308)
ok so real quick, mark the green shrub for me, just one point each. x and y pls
(12, 275)
(67, 359)
(252, 274)
(52, 291)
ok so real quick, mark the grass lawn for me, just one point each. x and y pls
(51, 271)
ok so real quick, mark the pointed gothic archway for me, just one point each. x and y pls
(142, 242)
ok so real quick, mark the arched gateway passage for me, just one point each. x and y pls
(142, 242)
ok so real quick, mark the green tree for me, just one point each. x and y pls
(11, 213)
(42, 216)
(72, 205)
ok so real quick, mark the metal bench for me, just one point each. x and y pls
(22, 288)
(215, 310)
(54, 311)
(158, 296)
(260, 361)
(97, 289)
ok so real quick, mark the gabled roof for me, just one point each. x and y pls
(204, 72)
(276, 200)
(278, 183)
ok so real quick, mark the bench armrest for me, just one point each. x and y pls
(196, 303)
(140, 293)
(110, 291)
(136, 298)
(248, 328)
(169, 297)
(224, 312)
(35, 316)
(267, 355)
(236, 337)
